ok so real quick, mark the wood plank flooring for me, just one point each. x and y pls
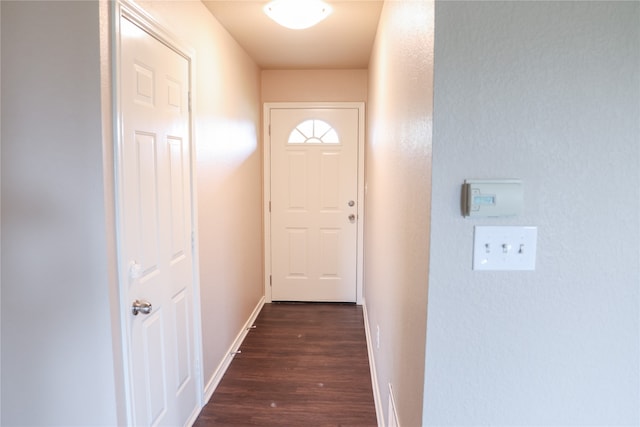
(303, 365)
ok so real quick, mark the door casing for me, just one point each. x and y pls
(125, 8)
(267, 186)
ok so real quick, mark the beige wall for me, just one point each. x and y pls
(314, 85)
(227, 117)
(398, 177)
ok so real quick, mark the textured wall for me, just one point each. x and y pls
(398, 179)
(548, 92)
(57, 354)
(227, 118)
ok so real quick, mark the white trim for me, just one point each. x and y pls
(266, 122)
(193, 417)
(377, 399)
(133, 12)
(266, 198)
(213, 383)
(393, 413)
(361, 194)
(195, 248)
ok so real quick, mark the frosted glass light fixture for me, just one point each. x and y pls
(297, 14)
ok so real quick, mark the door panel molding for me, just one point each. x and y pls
(267, 108)
(189, 311)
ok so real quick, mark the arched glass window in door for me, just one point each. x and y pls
(313, 132)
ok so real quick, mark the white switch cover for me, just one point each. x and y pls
(504, 248)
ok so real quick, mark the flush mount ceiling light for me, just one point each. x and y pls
(297, 14)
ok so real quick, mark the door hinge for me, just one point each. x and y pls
(270, 280)
(269, 205)
(189, 102)
(193, 241)
(269, 129)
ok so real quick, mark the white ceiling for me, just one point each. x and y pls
(341, 41)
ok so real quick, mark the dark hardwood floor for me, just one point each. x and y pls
(303, 365)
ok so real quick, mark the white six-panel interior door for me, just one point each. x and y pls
(314, 223)
(156, 254)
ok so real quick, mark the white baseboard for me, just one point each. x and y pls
(372, 368)
(193, 417)
(393, 414)
(213, 383)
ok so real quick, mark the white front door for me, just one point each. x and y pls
(156, 254)
(314, 203)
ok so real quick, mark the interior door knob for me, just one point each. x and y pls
(352, 217)
(141, 306)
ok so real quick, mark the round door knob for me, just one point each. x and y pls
(141, 306)
(352, 217)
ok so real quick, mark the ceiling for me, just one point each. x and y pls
(342, 41)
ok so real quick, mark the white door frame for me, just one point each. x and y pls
(268, 106)
(133, 12)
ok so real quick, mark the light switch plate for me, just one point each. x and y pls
(504, 248)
